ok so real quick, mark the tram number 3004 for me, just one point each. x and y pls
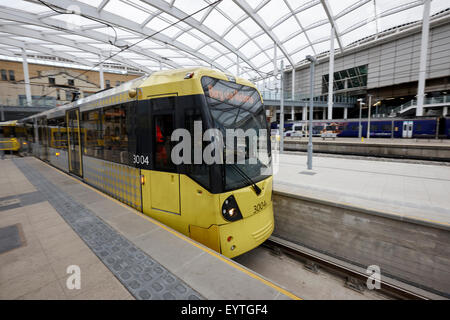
(137, 159)
(259, 206)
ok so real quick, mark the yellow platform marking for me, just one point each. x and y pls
(183, 237)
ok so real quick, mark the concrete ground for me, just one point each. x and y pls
(122, 254)
(409, 190)
(38, 269)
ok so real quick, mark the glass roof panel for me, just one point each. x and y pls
(27, 6)
(295, 4)
(223, 60)
(286, 28)
(296, 42)
(189, 40)
(236, 37)
(250, 26)
(217, 22)
(356, 16)
(362, 32)
(403, 16)
(94, 3)
(301, 55)
(250, 49)
(231, 9)
(264, 40)
(438, 6)
(188, 46)
(171, 31)
(125, 10)
(323, 31)
(273, 11)
(209, 51)
(189, 6)
(260, 59)
(157, 24)
(254, 3)
(311, 16)
(339, 6)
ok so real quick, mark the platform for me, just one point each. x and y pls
(403, 190)
(420, 149)
(50, 221)
(392, 215)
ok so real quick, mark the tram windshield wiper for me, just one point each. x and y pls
(246, 177)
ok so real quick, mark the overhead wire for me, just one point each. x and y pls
(128, 46)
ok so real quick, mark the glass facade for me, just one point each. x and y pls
(347, 79)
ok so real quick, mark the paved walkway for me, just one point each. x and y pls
(49, 221)
(38, 269)
(412, 190)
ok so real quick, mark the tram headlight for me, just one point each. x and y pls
(230, 209)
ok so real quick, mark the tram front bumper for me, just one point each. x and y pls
(246, 234)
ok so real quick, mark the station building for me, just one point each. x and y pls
(384, 67)
(52, 85)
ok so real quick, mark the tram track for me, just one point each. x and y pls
(355, 277)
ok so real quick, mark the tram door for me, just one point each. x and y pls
(407, 129)
(165, 181)
(74, 140)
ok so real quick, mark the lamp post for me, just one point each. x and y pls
(313, 61)
(281, 107)
(368, 116)
(360, 115)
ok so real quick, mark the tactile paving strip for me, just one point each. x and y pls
(144, 277)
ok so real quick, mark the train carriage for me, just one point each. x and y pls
(120, 141)
(426, 127)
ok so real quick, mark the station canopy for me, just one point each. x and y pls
(236, 36)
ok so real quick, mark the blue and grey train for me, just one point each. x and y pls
(379, 127)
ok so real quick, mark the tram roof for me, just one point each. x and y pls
(121, 93)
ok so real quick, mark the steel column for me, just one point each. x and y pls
(281, 106)
(311, 107)
(331, 76)
(102, 79)
(26, 77)
(368, 116)
(423, 57)
(293, 85)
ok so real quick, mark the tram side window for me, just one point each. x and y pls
(61, 141)
(198, 172)
(92, 126)
(52, 129)
(163, 145)
(115, 134)
(57, 133)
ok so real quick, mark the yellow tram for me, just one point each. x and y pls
(120, 141)
(12, 136)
